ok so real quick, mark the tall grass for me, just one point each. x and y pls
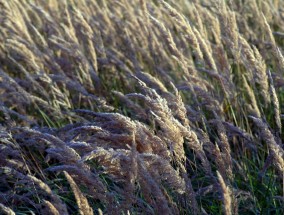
(141, 107)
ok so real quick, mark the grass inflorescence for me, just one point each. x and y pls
(141, 107)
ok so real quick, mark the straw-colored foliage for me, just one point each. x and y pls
(141, 107)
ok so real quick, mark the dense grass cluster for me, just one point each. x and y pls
(141, 107)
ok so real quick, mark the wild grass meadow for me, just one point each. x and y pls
(141, 107)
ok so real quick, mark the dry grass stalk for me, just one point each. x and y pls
(170, 43)
(225, 147)
(229, 29)
(48, 208)
(275, 103)
(82, 202)
(275, 149)
(254, 62)
(189, 34)
(276, 49)
(254, 107)
(226, 195)
(5, 210)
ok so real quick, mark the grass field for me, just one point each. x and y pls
(141, 107)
